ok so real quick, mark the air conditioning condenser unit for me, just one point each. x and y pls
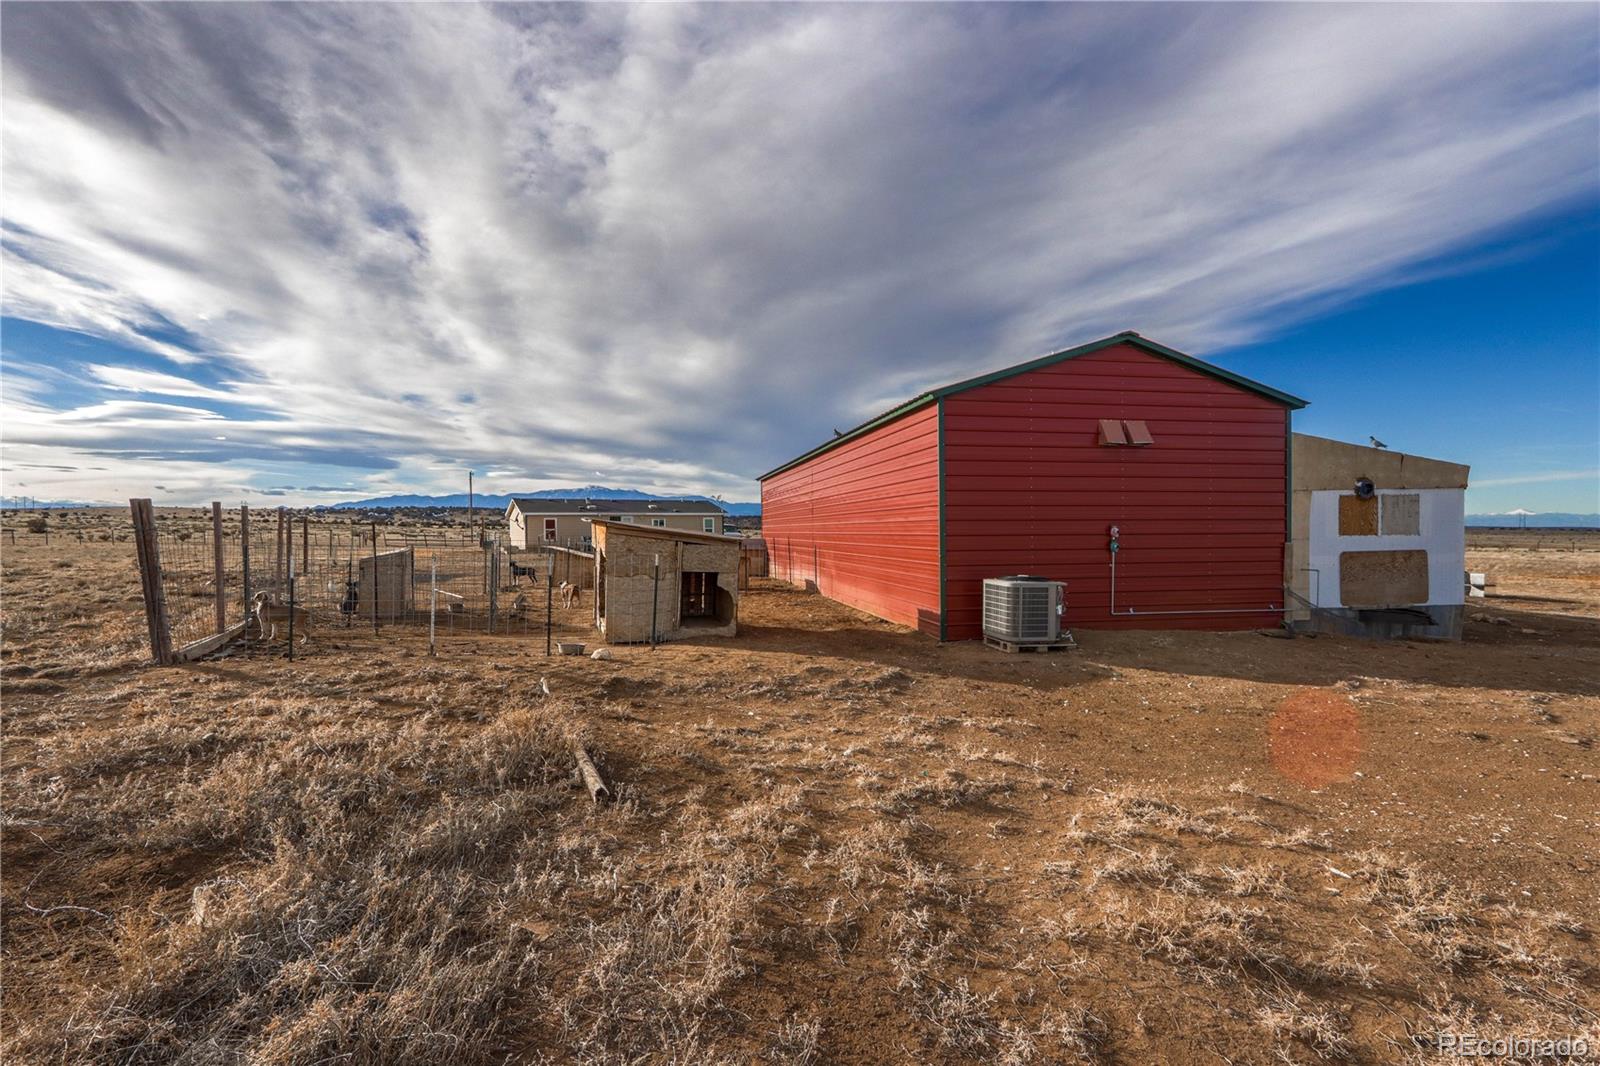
(1024, 611)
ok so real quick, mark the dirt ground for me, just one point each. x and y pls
(834, 839)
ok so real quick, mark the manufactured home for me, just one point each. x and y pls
(1379, 545)
(1154, 484)
(566, 522)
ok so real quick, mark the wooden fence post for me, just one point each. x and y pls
(155, 600)
(216, 565)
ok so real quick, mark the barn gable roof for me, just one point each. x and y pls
(1128, 337)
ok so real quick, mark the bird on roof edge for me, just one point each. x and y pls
(1376, 443)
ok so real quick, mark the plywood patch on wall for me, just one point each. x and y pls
(1383, 578)
(1358, 517)
(1402, 514)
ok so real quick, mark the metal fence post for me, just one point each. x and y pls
(655, 596)
(278, 556)
(374, 577)
(216, 565)
(433, 602)
(291, 606)
(494, 586)
(549, 602)
(244, 554)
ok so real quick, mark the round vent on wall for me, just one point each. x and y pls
(1364, 488)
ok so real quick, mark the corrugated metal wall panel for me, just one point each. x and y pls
(1201, 511)
(862, 521)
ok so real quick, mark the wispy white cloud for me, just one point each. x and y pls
(680, 244)
(1540, 478)
(130, 379)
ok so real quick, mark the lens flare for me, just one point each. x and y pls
(1314, 738)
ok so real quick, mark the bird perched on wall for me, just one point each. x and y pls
(1376, 443)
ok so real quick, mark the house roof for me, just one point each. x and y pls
(1126, 337)
(662, 533)
(582, 506)
(1322, 463)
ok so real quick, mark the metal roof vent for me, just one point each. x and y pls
(1023, 609)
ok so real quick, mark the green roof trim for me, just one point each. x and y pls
(890, 415)
(1292, 402)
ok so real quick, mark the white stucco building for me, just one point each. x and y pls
(1379, 540)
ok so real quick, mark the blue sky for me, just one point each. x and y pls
(315, 252)
(1495, 364)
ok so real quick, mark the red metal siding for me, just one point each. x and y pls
(861, 522)
(1201, 511)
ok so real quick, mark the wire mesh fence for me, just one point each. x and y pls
(753, 558)
(215, 576)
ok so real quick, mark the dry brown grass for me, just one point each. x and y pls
(848, 853)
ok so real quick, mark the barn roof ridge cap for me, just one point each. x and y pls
(1127, 336)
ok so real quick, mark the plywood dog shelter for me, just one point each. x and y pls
(696, 594)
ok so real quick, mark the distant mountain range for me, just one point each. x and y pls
(1561, 519)
(489, 502)
(27, 503)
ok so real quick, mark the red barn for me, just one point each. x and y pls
(1026, 470)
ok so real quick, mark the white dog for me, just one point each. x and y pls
(571, 595)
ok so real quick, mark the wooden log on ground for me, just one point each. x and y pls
(591, 776)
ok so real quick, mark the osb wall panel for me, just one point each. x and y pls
(1383, 578)
(1358, 517)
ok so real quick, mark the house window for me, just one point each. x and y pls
(1401, 514)
(628, 518)
(708, 524)
(658, 522)
(550, 529)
